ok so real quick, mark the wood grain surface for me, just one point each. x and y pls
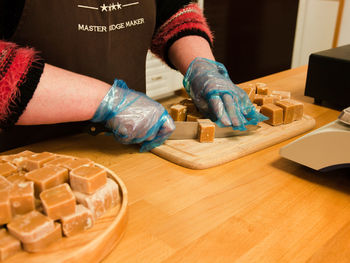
(258, 208)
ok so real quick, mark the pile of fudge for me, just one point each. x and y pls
(276, 105)
(45, 195)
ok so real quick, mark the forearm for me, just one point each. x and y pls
(185, 49)
(63, 96)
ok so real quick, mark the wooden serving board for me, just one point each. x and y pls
(91, 245)
(195, 155)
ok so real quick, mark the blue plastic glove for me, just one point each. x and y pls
(211, 89)
(133, 117)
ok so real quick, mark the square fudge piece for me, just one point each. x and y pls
(47, 177)
(298, 109)
(288, 111)
(206, 131)
(22, 198)
(87, 179)
(250, 90)
(262, 99)
(59, 161)
(7, 169)
(58, 201)
(81, 220)
(37, 160)
(5, 207)
(8, 245)
(5, 184)
(75, 163)
(16, 158)
(283, 94)
(30, 227)
(43, 242)
(273, 112)
(103, 199)
(178, 112)
(16, 177)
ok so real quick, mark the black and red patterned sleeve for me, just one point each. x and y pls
(176, 19)
(20, 72)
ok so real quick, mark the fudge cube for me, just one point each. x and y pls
(5, 207)
(37, 160)
(206, 131)
(47, 177)
(87, 179)
(16, 178)
(16, 158)
(250, 90)
(31, 226)
(75, 163)
(273, 112)
(103, 199)
(288, 111)
(298, 109)
(59, 161)
(262, 99)
(44, 241)
(178, 112)
(5, 184)
(58, 201)
(193, 117)
(22, 197)
(8, 245)
(283, 94)
(7, 169)
(81, 220)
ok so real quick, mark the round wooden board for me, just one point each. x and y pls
(91, 245)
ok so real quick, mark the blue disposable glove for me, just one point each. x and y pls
(211, 89)
(133, 117)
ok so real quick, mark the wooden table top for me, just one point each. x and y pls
(260, 208)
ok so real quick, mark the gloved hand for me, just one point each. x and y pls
(211, 89)
(133, 117)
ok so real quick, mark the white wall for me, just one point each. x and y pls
(344, 35)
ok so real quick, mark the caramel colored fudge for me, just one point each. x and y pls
(7, 169)
(298, 110)
(273, 112)
(8, 245)
(58, 201)
(103, 199)
(16, 158)
(262, 90)
(16, 178)
(43, 242)
(250, 90)
(283, 94)
(5, 207)
(193, 117)
(178, 112)
(30, 227)
(5, 184)
(37, 160)
(81, 220)
(87, 179)
(288, 111)
(75, 163)
(262, 99)
(59, 161)
(206, 132)
(22, 198)
(47, 177)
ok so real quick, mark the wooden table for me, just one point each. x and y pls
(260, 208)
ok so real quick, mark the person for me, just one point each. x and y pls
(58, 60)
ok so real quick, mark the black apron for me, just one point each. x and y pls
(104, 39)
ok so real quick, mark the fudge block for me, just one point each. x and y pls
(87, 179)
(16, 158)
(22, 198)
(206, 131)
(8, 245)
(75, 163)
(193, 117)
(16, 177)
(298, 109)
(31, 226)
(5, 184)
(47, 177)
(190, 106)
(37, 160)
(178, 112)
(273, 112)
(59, 161)
(81, 220)
(43, 242)
(250, 90)
(7, 169)
(283, 94)
(262, 99)
(103, 199)
(58, 201)
(262, 89)
(288, 111)
(5, 207)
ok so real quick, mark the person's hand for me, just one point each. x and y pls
(211, 89)
(133, 117)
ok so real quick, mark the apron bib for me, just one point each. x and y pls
(104, 39)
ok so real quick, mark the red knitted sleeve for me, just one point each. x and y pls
(20, 71)
(189, 20)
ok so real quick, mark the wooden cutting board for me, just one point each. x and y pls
(195, 155)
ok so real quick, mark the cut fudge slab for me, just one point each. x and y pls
(5, 184)
(30, 227)
(87, 179)
(298, 109)
(5, 207)
(17, 177)
(288, 111)
(22, 197)
(103, 199)
(206, 131)
(7, 169)
(47, 177)
(273, 112)
(8, 245)
(58, 201)
(81, 220)
(262, 99)
(37, 160)
(178, 112)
